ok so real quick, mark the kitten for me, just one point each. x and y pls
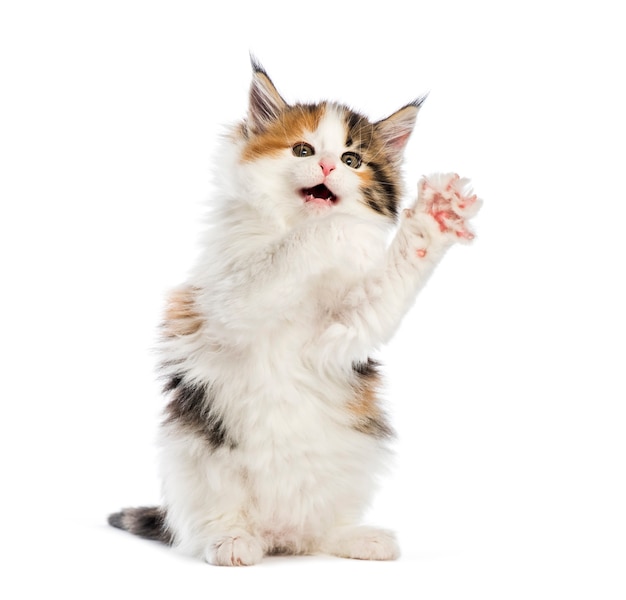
(274, 435)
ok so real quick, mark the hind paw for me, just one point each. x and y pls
(235, 550)
(364, 543)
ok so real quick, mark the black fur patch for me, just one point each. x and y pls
(355, 124)
(384, 191)
(146, 522)
(191, 406)
(369, 369)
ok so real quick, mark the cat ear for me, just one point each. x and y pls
(265, 101)
(396, 129)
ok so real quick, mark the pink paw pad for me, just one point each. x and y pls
(450, 201)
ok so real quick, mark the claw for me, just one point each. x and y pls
(465, 234)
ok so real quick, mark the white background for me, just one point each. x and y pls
(506, 382)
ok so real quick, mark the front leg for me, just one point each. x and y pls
(371, 310)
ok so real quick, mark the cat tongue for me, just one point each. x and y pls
(319, 194)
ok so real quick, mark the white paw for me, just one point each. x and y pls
(364, 543)
(449, 200)
(236, 550)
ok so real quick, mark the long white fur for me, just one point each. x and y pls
(290, 296)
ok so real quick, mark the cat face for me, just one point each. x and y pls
(306, 160)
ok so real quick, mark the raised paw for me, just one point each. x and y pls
(364, 543)
(234, 550)
(450, 201)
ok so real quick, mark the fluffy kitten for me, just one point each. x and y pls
(274, 436)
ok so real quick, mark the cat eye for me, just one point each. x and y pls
(352, 159)
(302, 149)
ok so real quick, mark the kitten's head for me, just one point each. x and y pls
(304, 160)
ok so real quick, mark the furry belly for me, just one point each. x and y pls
(286, 490)
(285, 462)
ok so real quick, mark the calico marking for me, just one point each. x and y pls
(284, 131)
(379, 189)
(365, 406)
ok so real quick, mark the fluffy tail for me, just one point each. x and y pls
(146, 522)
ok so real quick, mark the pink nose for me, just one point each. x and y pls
(327, 166)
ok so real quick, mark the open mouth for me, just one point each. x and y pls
(319, 194)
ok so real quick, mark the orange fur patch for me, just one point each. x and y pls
(181, 314)
(284, 132)
(366, 177)
(365, 407)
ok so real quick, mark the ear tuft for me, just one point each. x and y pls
(265, 104)
(417, 103)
